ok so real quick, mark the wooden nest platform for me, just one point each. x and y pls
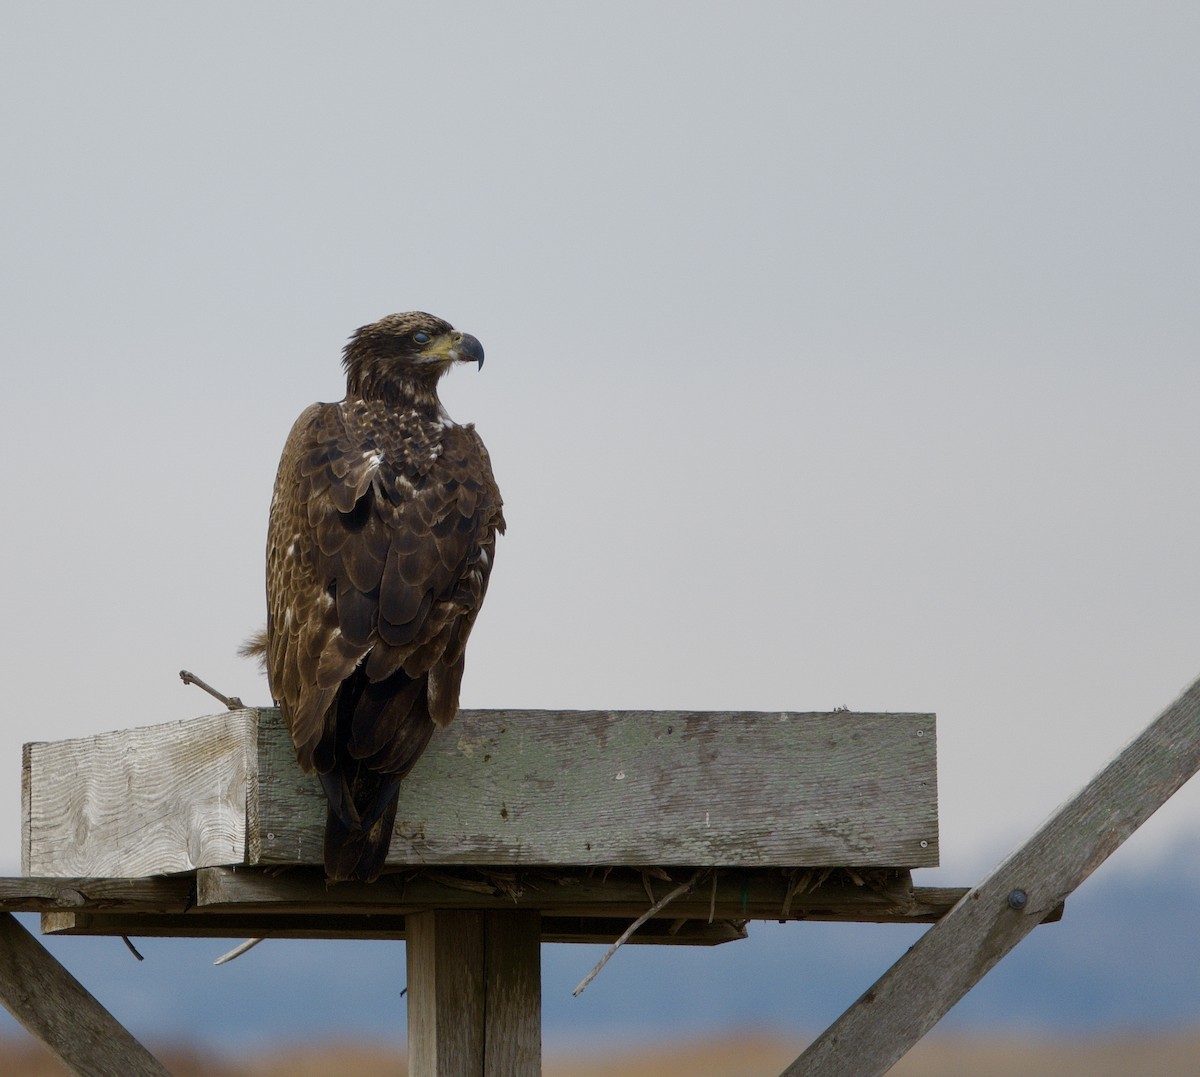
(593, 905)
(523, 827)
(588, 817)
(651, 789)
(516, 828)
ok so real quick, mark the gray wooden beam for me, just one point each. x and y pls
(950, 958)
(573, 929)
(746, 894)
(157, 894)
(575, 904)
(58, 1010)
(649, 788)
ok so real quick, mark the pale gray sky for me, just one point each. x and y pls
(837, 355)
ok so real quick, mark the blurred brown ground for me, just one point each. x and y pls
(748, 1055)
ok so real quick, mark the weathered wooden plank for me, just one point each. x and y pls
(746, 894)
(152, 895)
(643, 787)
(222, 925)
(602, 930)
(573, 929)
(531, 787)
(140, 801)
(575, 906)
(502, 787)
(739, 895)
(950, 958)
(59, 1011)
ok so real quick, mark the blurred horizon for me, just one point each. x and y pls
(747, 1053)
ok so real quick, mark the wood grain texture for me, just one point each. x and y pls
(574, 905)
(648, 788)
(950, 958)
(474, 994)
(446, 998)
(595, 930)
(745, 894)
(642, 787)
(56, 1008)
(513, 993)
(152, 895)
(141, 801)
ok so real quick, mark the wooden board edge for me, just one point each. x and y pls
(253, 836)
(26, 807)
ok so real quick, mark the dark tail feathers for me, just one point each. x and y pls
(359, 822)
(380, 733)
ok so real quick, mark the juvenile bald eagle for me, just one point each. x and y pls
(383, 526)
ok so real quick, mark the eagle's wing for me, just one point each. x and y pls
(379, 548)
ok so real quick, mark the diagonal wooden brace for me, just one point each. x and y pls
(58, 1010)
(955, 954)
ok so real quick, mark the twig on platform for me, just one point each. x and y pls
(657, 907)
(232, 702)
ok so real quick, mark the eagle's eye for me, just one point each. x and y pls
(421, 337)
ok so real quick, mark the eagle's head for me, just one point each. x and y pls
(400, 358)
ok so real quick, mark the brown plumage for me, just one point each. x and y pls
(383, 527)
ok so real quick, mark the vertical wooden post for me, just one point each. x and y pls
(513, 986)
(474, 993)
(445, 993)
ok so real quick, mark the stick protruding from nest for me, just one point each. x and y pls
(234, 703)
(657, 907)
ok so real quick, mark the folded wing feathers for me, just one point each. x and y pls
(385, 551)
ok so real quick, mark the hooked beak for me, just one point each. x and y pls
(467, 349)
